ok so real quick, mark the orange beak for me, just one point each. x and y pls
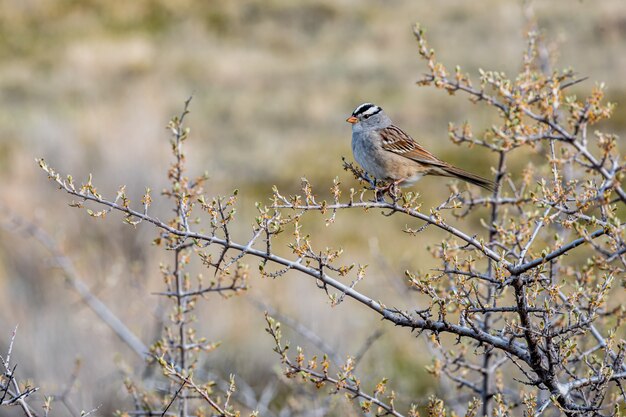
(352, 120)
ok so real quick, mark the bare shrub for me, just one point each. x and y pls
(524, 315)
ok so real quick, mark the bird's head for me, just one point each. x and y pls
(368, 115)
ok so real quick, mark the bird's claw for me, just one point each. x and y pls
(392, 189)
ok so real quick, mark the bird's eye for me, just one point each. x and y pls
(366, 116)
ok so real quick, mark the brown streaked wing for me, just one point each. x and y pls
(397, 141)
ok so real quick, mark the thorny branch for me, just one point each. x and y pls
(345, 380)
(11, 393)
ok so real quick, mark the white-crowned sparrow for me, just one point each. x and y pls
(388, 153)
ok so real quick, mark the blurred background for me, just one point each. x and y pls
(91, 85)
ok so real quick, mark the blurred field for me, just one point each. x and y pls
(90, 86)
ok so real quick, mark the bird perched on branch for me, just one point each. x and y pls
(388, 153)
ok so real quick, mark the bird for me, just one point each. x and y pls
(388, 153)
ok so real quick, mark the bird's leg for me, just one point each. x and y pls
(391, 189)
(373, 182)
(379, 193)
(394, 187)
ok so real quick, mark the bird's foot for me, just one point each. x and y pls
(393, 188)
(379, 194)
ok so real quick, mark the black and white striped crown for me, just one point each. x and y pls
(366, 110)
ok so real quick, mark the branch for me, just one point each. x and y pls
(387, 314)
(517, 270)
(17, 396)
(394, 207)
(346, 381)
(18, 224)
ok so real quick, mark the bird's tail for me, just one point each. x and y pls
(451, 171)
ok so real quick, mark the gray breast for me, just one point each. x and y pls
(367, 153)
